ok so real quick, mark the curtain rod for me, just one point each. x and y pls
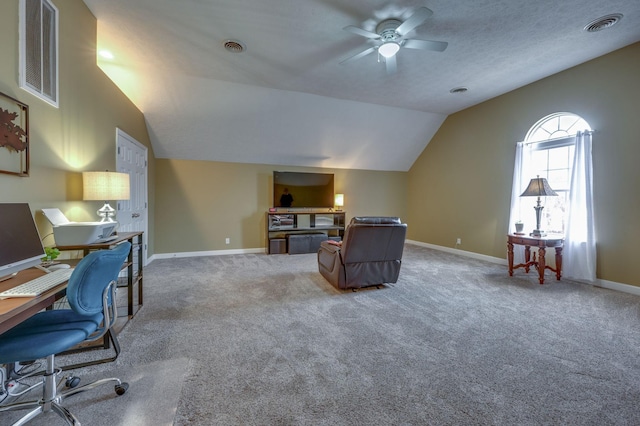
(557, 139)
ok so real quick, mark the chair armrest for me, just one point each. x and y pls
(331, 246)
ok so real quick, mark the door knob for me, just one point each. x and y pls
(134, 215)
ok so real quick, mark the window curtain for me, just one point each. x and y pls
(579, 254)
(520, 175)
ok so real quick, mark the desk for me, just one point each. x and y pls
(15, 310)
(542, 243)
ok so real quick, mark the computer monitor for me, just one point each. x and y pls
(20, 244)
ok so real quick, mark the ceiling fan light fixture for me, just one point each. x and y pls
(388, 49)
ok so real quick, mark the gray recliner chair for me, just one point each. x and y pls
(369, 254)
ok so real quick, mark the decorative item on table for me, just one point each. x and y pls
(519, 228)
(51, 254)
(538, 187)
(105, 186)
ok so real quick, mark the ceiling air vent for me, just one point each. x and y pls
(234, 46)
(603, 23)
(458, 90)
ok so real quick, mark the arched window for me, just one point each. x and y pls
(548, 153)
(558, 148)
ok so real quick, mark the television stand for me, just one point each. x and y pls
(283, 224)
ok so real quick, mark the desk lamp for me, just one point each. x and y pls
(105, 186)
(538, 187)
(339, 202)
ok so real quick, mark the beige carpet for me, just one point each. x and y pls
(265, 340)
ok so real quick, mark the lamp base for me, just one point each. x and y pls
(538, 233)
(107, 213)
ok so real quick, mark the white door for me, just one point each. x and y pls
(132, 214)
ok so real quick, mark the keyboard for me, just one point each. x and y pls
(39, 285)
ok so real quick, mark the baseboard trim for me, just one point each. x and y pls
(611, 285)
(204, 253)
(460, 252)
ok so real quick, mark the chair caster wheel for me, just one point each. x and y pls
(72, 382)
(122, 388)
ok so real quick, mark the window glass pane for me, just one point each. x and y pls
(558, 157)
(33, 45)
(539, 135)
(48, 51)
(568, 121)
(559, 179)
(553, 215)
(551, 125)
(580, 125)
(558, 134)
(539, 162)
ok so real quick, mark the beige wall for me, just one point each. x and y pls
(460, 185)
(200, 203)
(77, 136)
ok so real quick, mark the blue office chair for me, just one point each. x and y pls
(91, 295)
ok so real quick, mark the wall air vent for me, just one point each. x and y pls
(603, 23)
(234, 46)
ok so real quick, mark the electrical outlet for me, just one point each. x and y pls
(227, 240)
(458, 241)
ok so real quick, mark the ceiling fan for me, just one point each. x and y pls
(390, 35)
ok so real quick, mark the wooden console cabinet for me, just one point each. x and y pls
(282, 224)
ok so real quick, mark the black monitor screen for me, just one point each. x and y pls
(20, 244)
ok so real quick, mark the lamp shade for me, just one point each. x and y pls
(538, 187)
(339, 200)
(105, 186)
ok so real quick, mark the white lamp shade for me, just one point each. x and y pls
(389, 49)
(339, 200)
(105, 186)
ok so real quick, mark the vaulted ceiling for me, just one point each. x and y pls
(287, 99)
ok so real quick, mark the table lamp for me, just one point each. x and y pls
(538, 187)
(339, 202)
(105, 186)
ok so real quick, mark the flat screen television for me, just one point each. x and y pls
(302, 190)
(20, 244)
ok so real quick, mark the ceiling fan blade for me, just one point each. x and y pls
(414, 20)
(359, 55)
(392, 65)
(361, 32)
(437, 46)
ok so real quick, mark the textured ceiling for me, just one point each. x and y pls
(287, 99)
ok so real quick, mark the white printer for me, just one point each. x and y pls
(67, 233)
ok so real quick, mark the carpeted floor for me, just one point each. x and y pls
(265, 340)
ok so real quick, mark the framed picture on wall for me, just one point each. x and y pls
(14, 136)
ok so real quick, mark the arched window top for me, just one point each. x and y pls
(555, 126)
